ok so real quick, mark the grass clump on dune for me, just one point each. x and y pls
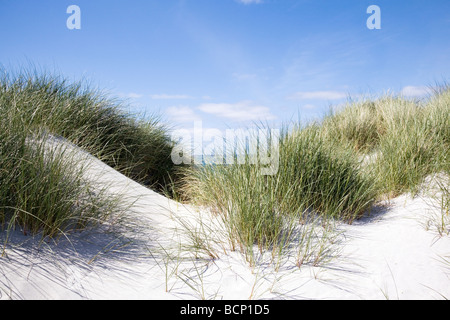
(139, 148)
(43, 188)
(314, 178)
(336, 168)
(323, 177)
(408, 139)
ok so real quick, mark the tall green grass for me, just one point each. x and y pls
(336, 168)
(314, 178)
(42, 188)
(409, 139)
(323, 173)
(138, 147)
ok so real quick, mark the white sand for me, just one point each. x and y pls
(390, 255)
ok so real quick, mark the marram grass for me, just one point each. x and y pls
(409, 139)
(139, 148)
(337, 169)
(43, 190)
(322, 175)
(314, 178)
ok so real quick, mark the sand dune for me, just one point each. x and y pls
(151, 255)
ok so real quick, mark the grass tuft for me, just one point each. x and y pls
(42, 189)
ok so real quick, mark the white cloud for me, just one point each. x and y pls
(412, 91)
(318, 95)
(240, 111)
(170, 96)
(182, 114)
(131, 95)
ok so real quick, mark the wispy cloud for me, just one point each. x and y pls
(318, 95)
(130, 95)
(413, 91)
(182, 114)
(240, 111)
(170, 96)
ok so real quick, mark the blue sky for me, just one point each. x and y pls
(230, 63)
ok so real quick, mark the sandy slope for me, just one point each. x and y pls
(387, 255)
